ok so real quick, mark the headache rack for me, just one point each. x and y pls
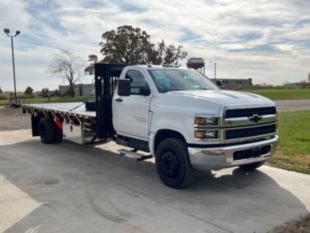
(106, 78)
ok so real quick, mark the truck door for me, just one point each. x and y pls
(130, 113)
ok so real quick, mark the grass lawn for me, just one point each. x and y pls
(294, 148)
(52, 100)
(283, 94)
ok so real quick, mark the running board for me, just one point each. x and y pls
(133, 154)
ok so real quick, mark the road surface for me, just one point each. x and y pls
(292, 105)
(73, 188)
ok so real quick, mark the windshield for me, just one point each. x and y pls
(171, 79)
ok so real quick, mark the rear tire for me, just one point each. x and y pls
(49, 132)
(173, 164)
(59, 135)
(252, 166)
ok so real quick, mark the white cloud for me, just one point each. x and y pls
(268, 41)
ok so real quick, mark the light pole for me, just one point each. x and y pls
(214, 63)
(7, 32)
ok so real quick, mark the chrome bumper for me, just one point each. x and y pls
(221, 157)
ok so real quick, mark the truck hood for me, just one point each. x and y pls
(225, 98)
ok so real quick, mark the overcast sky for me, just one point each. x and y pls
(268, 41)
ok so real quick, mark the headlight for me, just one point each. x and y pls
(204, 120)
(206, 127)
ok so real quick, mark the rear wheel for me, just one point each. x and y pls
(49, 131)
(59, 134)
(173, 164)
(252, 166)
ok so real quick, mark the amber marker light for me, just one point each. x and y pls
(200, 134)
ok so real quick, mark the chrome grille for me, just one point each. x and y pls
(249, 123)
(248, 112)
(250, 131)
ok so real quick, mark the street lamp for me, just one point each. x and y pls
(7, 32)
(214, 62)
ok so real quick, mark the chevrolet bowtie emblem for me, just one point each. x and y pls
(255, 118)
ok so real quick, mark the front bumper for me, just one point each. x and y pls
(215, 158)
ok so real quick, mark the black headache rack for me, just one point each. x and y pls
(106, 78)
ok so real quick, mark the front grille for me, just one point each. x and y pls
(250, 132)
(248, 112)
(252, 153)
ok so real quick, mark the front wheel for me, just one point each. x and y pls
(173, 164)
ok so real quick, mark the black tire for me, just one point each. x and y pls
(49, 132)
(90, 105)
(173, 164)
(59, 135)
(252, 166)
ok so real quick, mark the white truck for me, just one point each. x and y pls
(177, 115)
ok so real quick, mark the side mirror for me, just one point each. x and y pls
(145, 91)
(123, 87)
(219, 83)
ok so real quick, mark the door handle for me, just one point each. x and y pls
(119, 100)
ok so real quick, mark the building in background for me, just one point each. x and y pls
(235, 84)
(230, 84)
(79, 89)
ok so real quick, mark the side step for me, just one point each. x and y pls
(133, 154)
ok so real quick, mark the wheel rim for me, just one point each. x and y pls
(169, 164)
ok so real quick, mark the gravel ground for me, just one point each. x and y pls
(301, 225)
(13, 119)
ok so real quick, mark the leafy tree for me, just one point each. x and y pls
(127, 45)
(57, 93)
(28, 91)
(66, 65)
(92, 59)
(45, 92)
(1, 91)
(170, 54)
(130, 45)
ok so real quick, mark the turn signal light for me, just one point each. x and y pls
(200, 134)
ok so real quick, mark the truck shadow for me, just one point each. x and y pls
(86, 189)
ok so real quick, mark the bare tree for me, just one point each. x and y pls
(66, 65)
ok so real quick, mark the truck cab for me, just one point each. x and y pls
(188, 123)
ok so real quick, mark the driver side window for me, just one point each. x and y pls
(137, 81)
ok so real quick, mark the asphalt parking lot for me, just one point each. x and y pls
(73, 188)
(292, 105)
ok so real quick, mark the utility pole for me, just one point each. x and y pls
(7, 32)
(215, 70)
